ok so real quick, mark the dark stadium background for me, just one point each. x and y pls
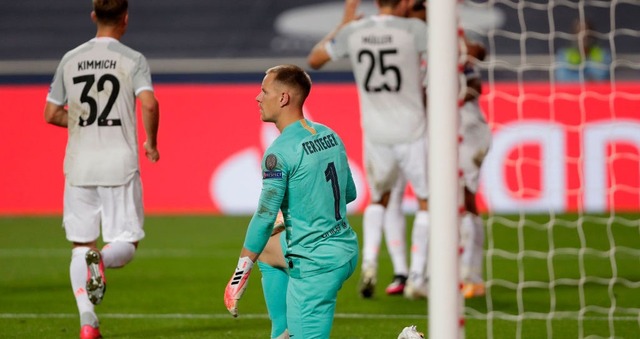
(217, 29)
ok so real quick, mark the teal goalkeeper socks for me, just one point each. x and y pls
(274, 286)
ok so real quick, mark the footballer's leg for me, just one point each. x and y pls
(475, 145)
(472, 152)
(81, 220)
(273, 252)
(96, 283)
(274, 283)
(274, 287)
(122, 222)
(311, 310)
(416, 286)
(372, 221)
(382, 173)
(118, 253)
(473, 246)
(89, 325)
(478, 257)
(122, 218)
(466, 237)
(113, 255)
(415, 169)
(394, 230)
(467, 234)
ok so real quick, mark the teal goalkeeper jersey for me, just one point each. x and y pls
(305, 173)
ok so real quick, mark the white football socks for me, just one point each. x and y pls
(372, 221)
(467, 234)
(478, 246)
(117, 254)
(472, 236)
(419, 246)
(78, 275)
(394, 230)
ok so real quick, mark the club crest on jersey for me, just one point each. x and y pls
(270, 162)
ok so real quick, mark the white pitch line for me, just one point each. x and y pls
(142, 253)
(261, 316)
(193, 316)
(128, 316)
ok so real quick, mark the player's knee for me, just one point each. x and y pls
(118, 253)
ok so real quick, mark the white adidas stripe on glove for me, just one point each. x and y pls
(237, 285)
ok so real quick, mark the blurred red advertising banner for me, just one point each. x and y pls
(562, 148)
(211, 142)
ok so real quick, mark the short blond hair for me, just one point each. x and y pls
(293, 77)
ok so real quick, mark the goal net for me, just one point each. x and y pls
(561, 185)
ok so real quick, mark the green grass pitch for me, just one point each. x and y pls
(174, 286)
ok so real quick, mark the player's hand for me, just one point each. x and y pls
(237, 285)
(350, 11)
(151, 152)
(278, 226)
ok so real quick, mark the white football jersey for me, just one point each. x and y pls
(476, 137)
(99, 81)
(471, 117)
(387, 56)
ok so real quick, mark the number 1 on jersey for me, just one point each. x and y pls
(331, 175)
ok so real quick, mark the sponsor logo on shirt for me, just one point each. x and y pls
(342, 225)
(272, 175)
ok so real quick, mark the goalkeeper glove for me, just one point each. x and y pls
(237, 285)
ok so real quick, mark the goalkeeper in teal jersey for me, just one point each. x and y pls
(306, 175)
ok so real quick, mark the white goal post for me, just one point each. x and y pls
(444, 292)
(560, 188)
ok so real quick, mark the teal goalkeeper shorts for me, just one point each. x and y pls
(311, 301)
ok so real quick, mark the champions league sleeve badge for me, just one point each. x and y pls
(270, 164)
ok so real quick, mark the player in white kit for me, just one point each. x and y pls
(93, 95)
(387, 53)
(476, 141)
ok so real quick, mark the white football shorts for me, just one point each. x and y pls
(476, 141)
(384, 163)
(118, 209)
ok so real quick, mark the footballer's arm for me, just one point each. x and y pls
(319, 55)
(55, 114)
(256, 239)
(261, 224)
(151, 120)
